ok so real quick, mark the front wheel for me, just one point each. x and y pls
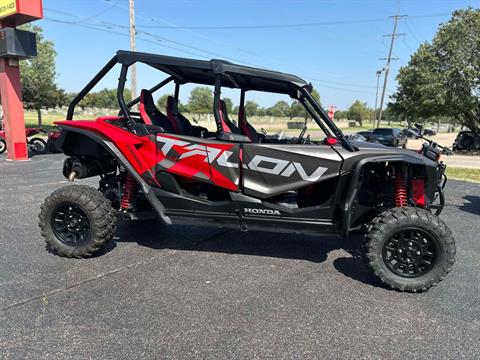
(409, 249)
(38, 146)
(76, 221)
(3, 146)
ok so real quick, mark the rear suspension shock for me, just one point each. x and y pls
(401, 198)
(130, 189)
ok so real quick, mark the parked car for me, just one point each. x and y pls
(368, 135)
(356, 137)
(429, 132)
(467, 141)
(390, 137)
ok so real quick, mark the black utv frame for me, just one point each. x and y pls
(295, 185)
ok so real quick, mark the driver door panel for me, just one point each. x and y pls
(204, 160)
(270, 170)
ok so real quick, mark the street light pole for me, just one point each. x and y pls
(393, 36)
(379, 73)
(133, 69)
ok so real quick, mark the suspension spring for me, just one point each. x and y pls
(130, 188)
(400, 191)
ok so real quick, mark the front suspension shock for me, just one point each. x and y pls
(401, 198)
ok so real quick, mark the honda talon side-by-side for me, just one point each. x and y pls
(156, 162)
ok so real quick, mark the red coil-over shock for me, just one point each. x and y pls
(400, 191)
(130, 188)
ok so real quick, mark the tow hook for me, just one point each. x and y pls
(72, 176)
(241, 217)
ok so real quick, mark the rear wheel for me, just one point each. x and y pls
(3, 146)
(38, 146)
(409, 249)
(76, 221)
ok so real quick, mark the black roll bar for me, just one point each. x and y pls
(242, 99)
(177, 91)
(121, 101)
(315, 117)
(216, 102)
(90, 86)
(336, 131)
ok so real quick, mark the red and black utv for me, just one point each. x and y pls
(234, 175)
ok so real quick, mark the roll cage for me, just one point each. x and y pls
(216, 73)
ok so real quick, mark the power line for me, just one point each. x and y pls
(133, 69)
(159, 40)
(95, 27)
(285, 26)
(100, 13)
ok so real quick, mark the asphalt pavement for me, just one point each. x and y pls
(184, 292)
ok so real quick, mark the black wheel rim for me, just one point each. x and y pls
(3, 146)
(71, 225)
(410, 253)
(38, 146)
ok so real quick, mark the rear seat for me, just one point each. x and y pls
(247, 129)
(152, 116)
(183, 124)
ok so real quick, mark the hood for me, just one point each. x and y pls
(376, 150)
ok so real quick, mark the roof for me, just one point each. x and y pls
(204, 72)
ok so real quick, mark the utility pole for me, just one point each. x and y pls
(393, 35)
(133, 69)
(379, 73)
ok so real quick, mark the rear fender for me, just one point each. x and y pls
(103, 144)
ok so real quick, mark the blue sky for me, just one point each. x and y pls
(339, 58)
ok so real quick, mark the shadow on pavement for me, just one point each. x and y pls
(285, 246)
(472, 205)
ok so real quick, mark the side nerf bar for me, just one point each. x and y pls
(112, 149)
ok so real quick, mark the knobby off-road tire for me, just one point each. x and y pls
(76, 221)
(409, 249)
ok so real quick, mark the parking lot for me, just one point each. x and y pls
(190, 292)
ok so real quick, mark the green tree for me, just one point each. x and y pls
(251, 108)
(261, 112)
(229, 104)
(200, 101)
(316, 96)
(339, 114)
(359, 112)
(104, 99)
(442, 77)
(39, 90)
(162, 103)
(280, 109)
(297, 110)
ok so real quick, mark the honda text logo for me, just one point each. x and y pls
(261, 211)
(263, 164)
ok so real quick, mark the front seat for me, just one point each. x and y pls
(227, 125)
(152, 116)
(247, 129)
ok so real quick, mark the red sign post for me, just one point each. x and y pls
(331, 111)
(12, 14)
